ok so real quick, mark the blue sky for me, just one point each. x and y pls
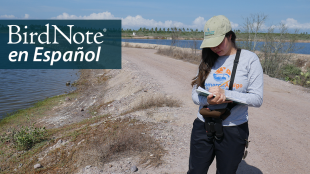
(160, 13)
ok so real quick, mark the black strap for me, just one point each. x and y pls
(232, 77)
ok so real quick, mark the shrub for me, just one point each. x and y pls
(303, 79)
(290, 71)
(25, 137)
(294, 74)
(300, 62)
(276, 47)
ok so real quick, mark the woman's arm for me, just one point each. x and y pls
(198, 99)
(254, 95)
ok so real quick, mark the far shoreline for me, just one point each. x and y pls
(181, 38)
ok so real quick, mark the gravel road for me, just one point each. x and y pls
(279, 133)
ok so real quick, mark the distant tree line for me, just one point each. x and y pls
(156, 30)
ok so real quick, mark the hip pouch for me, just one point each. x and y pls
(216, 113)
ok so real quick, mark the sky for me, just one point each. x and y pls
(163, 13)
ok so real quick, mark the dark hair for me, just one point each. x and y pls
(208, 59)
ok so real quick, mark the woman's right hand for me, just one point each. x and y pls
(218, 99)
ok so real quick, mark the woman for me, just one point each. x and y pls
(218, 55)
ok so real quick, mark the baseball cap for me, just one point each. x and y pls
(215, 30)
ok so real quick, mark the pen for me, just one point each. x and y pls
(224, 83)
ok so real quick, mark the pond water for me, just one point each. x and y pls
(189, 44)
(21, 88)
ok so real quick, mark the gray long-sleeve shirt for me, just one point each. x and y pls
(248, 85)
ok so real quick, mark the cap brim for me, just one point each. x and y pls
(212, 42)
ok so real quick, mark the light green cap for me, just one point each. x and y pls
(215, 30)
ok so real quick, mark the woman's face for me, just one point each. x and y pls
(224, 48)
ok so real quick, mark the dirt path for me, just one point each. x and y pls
(280, 138)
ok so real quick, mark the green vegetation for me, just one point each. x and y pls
(20, 117)
(302, 79)
(275, 54)
(290, 71)
(69, 147)
(25, 138)
(293, 74)
(190, 34)
(164, 33)
(21, 136)
(299, 36)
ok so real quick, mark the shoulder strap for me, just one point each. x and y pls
(232, 77)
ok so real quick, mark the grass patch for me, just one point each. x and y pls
(290, 71)
(181, 54)
(20, 117)
(20, 137)
(25, 137)
(94, 141)
(293, 74)
(147, 102)
(95, 109)
(300, 63)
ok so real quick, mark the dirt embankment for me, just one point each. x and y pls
(117, 119)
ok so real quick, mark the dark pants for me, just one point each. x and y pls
(228, 151)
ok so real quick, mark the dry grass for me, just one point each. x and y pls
(86, 81)
(151, 101)
(96, 108)
(95, 141)
(137, 46)
(306, 65)
(181, 54)
(300, 62)
(102, 79)
(126, 44)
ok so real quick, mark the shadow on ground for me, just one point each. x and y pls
(245, 168)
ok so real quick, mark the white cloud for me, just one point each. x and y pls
(26, 16)
(294, 24)
(234, 25)
(138, 21)
(198, 23)
(129, 21)
(7, 16)
(103, 15)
